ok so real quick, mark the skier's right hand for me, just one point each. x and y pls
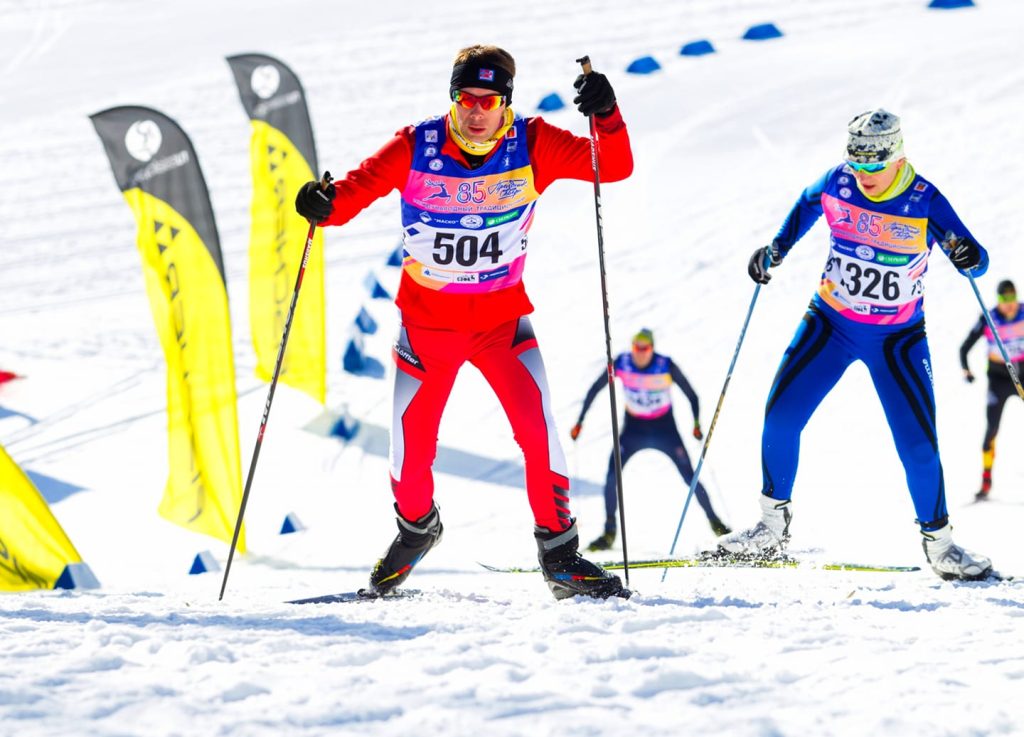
(968, 376)
(761, 260)
(575, 432)
(314, 202)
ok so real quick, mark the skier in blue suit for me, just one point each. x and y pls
(884, 219)
(647, 379)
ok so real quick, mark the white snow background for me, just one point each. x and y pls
(723, 145)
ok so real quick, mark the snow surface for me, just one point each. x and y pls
(723, 145)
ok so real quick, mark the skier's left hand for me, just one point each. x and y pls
(963, 252)
(968, 376)
(697, 431)
(596, 96)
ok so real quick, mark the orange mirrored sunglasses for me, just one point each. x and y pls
(486, 102)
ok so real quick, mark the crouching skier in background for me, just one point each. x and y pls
(647, 379)
(469, 181)
(884, 220)
(1009, 321)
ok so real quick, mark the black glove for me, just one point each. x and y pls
(757, 269)
(313, 203)
(596, 96)
(968, 376)
(963, 252)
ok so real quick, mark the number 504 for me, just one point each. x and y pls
(465, 251)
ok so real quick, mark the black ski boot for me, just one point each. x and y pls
(569, 574)
(719, 527)
(605, 540)
(412, 543)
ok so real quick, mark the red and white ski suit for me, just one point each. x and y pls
(457, 307)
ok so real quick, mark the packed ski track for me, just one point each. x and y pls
(723, 144)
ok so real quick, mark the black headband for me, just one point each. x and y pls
(482, 74)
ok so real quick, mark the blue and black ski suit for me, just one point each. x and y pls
(869, 307)
(649, 422)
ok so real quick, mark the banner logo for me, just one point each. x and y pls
(143, 140)
(265, 81)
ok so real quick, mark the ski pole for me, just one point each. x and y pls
(324, 183)
(947, 246)
(587, 69)
(714, 420)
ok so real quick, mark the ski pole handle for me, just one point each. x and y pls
(585, 61)
(325, 181)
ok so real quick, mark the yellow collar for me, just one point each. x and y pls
(898, 186)
(478, 149)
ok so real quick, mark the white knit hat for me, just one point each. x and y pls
(875, 137)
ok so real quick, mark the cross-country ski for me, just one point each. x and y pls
(712, 561)
(360, 595)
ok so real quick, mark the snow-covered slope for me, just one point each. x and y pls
(723, 145)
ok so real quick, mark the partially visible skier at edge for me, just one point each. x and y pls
(1008, 318)
(884, 219)
(469, 181)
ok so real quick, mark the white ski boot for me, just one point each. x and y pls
(951, 561)
(768, 536)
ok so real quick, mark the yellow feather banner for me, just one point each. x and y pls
(156, 168)
(34, 549)
(283, 158)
